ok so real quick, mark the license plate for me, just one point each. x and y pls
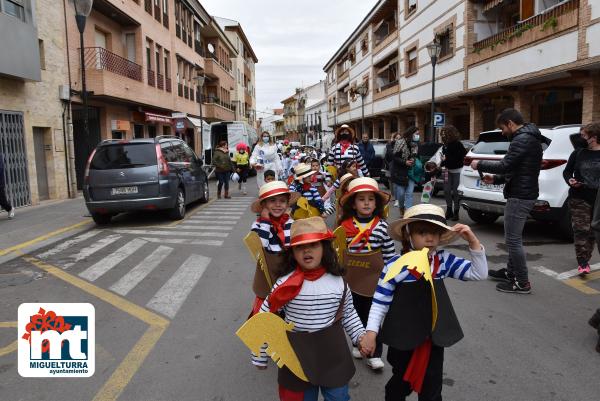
(489, 187)
(124, 191)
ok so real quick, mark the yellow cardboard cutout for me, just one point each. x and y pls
(254, 245)
(271, 329)
(339, 244)
(417, 261)
(333, 171)
(305, 210)
(386, 211)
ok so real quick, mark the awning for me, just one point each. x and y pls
(158, 118)
(196, 122)
(491, 4)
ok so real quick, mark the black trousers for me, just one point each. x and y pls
(397, 389)
(4, 203)
(362, 305)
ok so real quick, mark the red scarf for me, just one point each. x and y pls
(417, 366)
(353, 232)
(289, 289)
(278, 224)
(345, 145)
(306, 187)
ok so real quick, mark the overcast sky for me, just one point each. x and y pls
(292, 39)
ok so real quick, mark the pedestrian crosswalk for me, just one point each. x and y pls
(123, 258)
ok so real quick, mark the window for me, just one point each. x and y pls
(148, 54)
(411, 61)
(158, 63)
(42, 54)
(16, 8)
(410, 6)
(444, 38)
(167, 64)
(364, 44)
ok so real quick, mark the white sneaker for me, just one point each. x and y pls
(11, 214)
(356, 353)
(375, 363)
(396, 204)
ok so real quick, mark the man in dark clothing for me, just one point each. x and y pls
(519, 171)
(367, 150)
(4, 203)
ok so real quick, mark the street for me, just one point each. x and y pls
(170, 296)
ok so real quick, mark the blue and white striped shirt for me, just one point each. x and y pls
(378, 240)
(336, 157)
(311, 194)
(270, 241)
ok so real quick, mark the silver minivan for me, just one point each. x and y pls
(161, 173)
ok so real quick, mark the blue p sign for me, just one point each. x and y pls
(439, 120)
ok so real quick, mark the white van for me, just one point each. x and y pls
(233, 132)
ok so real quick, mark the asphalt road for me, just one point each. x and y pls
(169, 299)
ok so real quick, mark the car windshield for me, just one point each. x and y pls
(124, 155)
(379, 149)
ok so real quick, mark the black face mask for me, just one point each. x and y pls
(579, 143)
(344, 137)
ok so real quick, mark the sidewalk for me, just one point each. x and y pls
(37, 226)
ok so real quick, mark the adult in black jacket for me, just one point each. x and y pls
(453, 155)
(519, 171)
(4, 203)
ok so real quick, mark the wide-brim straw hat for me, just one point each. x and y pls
(364, 184)
(424, 212)
(345, 178)
(343, 128)
(271, 189)
(303, 170)
(309, 230)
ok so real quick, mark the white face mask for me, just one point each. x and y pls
(416, 138)
(265, 139)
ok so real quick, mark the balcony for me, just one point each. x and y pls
(160, 83)
(548, 23)
(386, 90)
(343, 107)
(214, 69)
(343, 75)
(151, 78)
(98, 58)
(168, 85)
(379, 45)
(217, 110)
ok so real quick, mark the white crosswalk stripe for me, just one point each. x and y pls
(221, 228)
(208, 242)
(222, 223)
(100, 268)
(130, 280)
(213, 213)
(175, 233)
(173, 293)
(67, 244)
(221, 218)
(90, 250)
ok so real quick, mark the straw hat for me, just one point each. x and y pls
(271, 189)
(423, 212)
(364, 184)
(343, 128)
(309, 230)
(345, 178)
(303, 170)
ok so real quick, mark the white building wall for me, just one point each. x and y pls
(593, 35)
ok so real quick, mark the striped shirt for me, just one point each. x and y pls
(315, 308)
(311, 194)
(352, 153)
(450, 266)
(270, 241)
(378, 240)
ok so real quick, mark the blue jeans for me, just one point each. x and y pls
(404, 195)
(329, 393)
(223, 180)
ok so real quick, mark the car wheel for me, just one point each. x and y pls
(101, 219)
(178, 211)
(205, 192)
(482, 217)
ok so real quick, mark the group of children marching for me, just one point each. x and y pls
(330, 289)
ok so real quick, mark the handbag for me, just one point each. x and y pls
(235, 177)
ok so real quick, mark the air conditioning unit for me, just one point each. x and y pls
(64, 92)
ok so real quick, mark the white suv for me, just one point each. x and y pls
(485, 203)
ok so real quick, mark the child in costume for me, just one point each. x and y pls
(242, 165)
(314, 297)
(303, 185)
(369, 248)
(270, 176)
(404, 304)
(348, 167)
(273, 227)
(318, 179)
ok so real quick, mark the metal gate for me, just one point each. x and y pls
(12, 147)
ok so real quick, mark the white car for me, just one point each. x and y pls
(484, 203)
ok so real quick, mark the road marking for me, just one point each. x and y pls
(12, 347)
(100, 268)
(222, 228)
(174, 233)
(184, 241)
(42, 238)
(228, 219)
(69, 243)
(572, 278)
(139, 272)
(545, 271)
(572, 273)
(90, 250)
(213, 213)
(224, 208)
(173, 293)
(222, 223)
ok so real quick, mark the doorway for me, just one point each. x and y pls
(40, 163)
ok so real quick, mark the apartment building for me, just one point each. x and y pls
(291, 120)
(305, 113)
(34, 134)
(535, 55)
(141, 58)
(244, 72)
(272, 122)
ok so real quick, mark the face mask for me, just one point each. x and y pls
(265, 139)
(416, 138)
(242, 152)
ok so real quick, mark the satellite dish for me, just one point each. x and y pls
(211, 48)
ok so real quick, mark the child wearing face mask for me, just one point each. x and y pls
(242, 165)
(402, 307)
(369, 247)
(313, 296)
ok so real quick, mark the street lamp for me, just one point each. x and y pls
(200, 79)
(434, 49)
(362, 90)
(83, 8)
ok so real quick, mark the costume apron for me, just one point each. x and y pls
(323, 354)
(363, 271)
(260, 286)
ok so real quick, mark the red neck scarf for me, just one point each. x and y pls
(417, 366)
(289, 289)
(306, 187)
(345, 145)
(357, 237)
(278, 224)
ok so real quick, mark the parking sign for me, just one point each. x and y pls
(439, 120)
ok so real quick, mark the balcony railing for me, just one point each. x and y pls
(160, 83)
(98, 58)
(148, 6)
(536, 20)
(168, 84)
(157, 13)
(151, 79)
(166, 20)
(198, 48)
(215, 100)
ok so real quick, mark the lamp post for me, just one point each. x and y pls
(83, 8)
(362, 90)
(199, 79)
(434, 49)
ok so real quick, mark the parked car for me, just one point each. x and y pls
(376, 169)
(484, 203)
(161, 173)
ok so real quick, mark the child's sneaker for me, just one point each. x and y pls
(396, 204)
(514, 287)
(375, 363)
(356, 353)
(583, 270)
(501, 275)
(11, 214)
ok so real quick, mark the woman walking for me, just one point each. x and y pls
(345, 149)
(405, 153)
(453, 154)
(265, 157)
(223, 168)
